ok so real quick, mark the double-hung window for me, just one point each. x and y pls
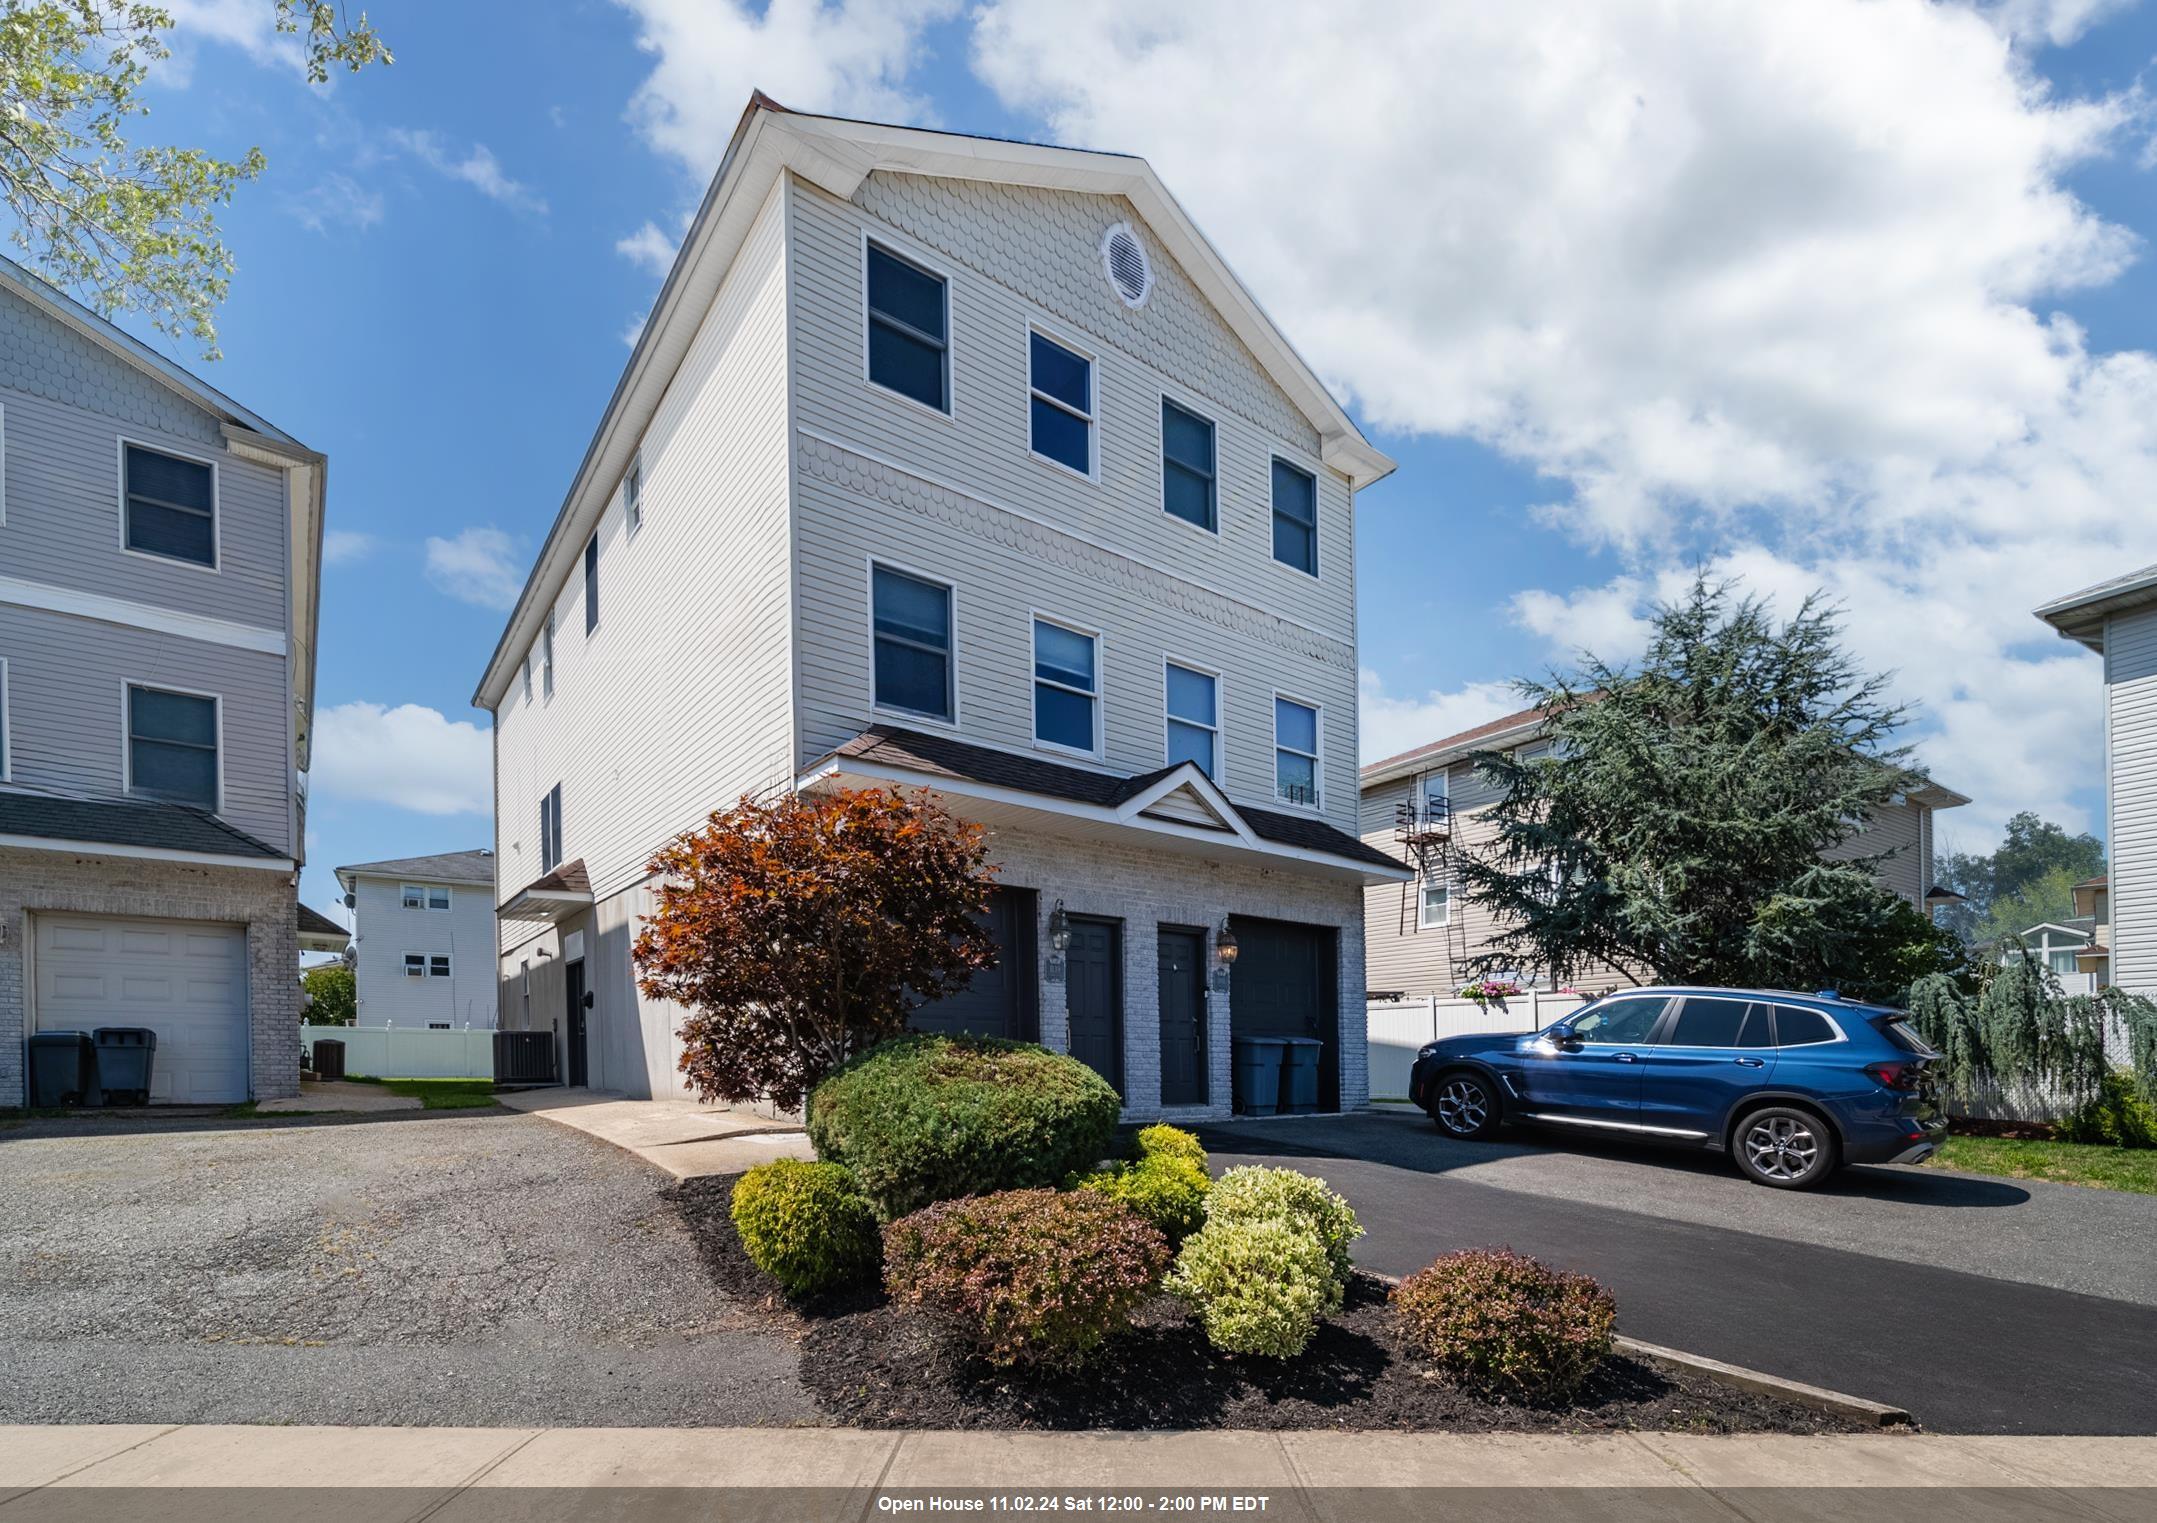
(1067, 687)
(1062, 404)
(1187, 466)
(1295, 751)
(591, 583)
(910, 625)
(171, 506)
(172, 746)
(909, 329)
(1194, 718)
(550, 829)
(1295, 517)
(1435, 906)
(438, 966)
(413, 896)
(415, 965)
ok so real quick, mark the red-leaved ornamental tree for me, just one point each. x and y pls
(799, 930)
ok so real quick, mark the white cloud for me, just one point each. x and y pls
(342, 546)
(483, 566)
(408, 756)
(648, 247)
(1391, 725)
(1760, 284)
(248, 25)
(850, 57)
(634, 329)
(476, 167)
(336, 200)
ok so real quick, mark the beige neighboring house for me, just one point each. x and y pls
(966, 466)
(1419, 936)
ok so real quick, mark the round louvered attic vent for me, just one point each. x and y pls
(1129, 270)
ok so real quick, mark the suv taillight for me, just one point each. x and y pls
(1901, 1076)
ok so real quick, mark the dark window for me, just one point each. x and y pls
(438, 967)
(415, 965)
(1295, 517)
(1062, 405)
(1620, 1022)
(1795, 1027)
(172, 746)
(1187, 466)
(909, 332)
(1295, 751)
(912, 621)
(171, 506)
(550, 829)
(1904, 1035)
(1194, 725)
(1065, 686)
(1720, 1023)
(591, 584)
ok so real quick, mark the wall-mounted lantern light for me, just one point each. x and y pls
(1059, 929)
(1224, 943)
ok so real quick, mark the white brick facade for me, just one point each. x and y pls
(34, 882)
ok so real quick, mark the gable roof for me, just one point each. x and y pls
(442, 867)
(836, 154)
(2080, 616)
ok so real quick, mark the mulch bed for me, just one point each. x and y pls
(2012, 1131)
(870, 1365)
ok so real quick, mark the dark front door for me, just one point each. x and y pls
(1093, 970)
(999, 1001)
(1183, 1017)
(574, 976)
(1283, 984)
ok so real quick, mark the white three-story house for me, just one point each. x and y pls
(967, 466)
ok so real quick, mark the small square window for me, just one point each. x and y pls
(414, 897)
(415, 965)
(438, 967)
(437, 898)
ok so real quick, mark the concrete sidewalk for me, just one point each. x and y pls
(678, 1137)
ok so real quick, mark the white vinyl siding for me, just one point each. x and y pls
(463, 994)
(2131, 786)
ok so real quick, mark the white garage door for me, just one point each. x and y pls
(186, 982)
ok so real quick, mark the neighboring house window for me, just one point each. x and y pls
(413, 896)
(550, 829)
(437, 898)
(546, 658)
(415, 965)
(1187, 466)
(909, 329)
(911, 629)
(171, 506)
(172, 746)
(438, 967)
(1295, 751)
(438, 1025)
(1437, 787)
(1062, 405)
(1434, 907)
(591, 584)
(1295, 517)
(1194, 718)
(528, 678)
(1066, 687)
(633, 493)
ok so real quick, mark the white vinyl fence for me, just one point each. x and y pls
(409, 1052)
(1398, 1029)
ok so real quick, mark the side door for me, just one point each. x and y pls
(1588, 1069)
(1714, 1050)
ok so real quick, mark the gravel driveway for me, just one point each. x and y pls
(477, 1268)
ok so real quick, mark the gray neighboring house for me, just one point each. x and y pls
(2118, 620)
(966, 466)
(160, 551)
(424, 930)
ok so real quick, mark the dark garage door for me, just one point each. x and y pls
(1001, 1001)
(1284, 984)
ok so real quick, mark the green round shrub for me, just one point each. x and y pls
(1253, 1193)
(1258, 1286)
(1166, 1189)
(805, 1225)
(1504, 1325)
(929, 1118)
(1159, 1140)
(2116, 1116)
(1037, 1277)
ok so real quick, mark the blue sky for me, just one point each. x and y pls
(1860, 300)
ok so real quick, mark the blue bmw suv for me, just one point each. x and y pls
(1789, 1085)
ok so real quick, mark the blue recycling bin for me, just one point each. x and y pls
(1300, 1077)
(1258, 1075)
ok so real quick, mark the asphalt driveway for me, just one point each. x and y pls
(1982, 1305)
(477, 1268)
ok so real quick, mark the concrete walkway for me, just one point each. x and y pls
(324, 1095)
(679, 1137)
(842, 1472)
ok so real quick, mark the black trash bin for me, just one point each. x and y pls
(63, 1068)
(329, 1059)
(1299, 1079)
(125, 1056)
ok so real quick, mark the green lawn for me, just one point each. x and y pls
(2073, 1163)
(439, 1094)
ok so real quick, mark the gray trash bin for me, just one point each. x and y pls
(63, 1068)
(125, 1055)
(1258, 1075)
(1299, 1083)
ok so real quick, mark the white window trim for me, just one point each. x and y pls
(528, 663)
(1220, 710)
(633, 491)
(415, 958)
(448, 962)
(217, 504)
(1092, 419)
(1423, 920)
(547, 795)
(588, 580)
(910, 253)
(1214, 423)
(1318, 760)
(426, 892)
(546, 659)
(127, 735)
(1034, 679)
(1273, 511)
(892, 711)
